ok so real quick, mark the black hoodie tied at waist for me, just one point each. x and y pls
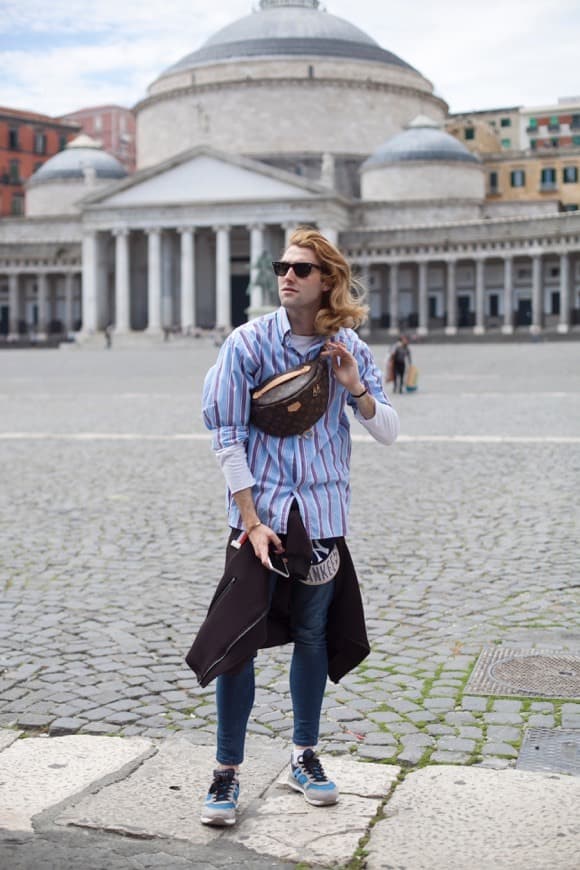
(241, 620)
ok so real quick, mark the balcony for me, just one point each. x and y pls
(548, 186)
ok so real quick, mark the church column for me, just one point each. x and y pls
(256, 248)
(537, 294)
(43, 312)
(479, 327)
(365, 279)
(187, 278)
(89, 283)
(451, 325)
(394, 298)
(153, 281)
(223, 281)
(68, 302)
(564, 324)
(288, 230)
(122, 294)
(508, 296)
(14, 305)
(423, 328)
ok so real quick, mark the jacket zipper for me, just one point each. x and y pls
(233, 643)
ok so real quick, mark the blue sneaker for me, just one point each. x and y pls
(222, 799)
(308, 776)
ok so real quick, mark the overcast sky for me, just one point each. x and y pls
(60, 55)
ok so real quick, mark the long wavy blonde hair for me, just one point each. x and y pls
(340, 306)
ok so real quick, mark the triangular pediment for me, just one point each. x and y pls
(205, 176)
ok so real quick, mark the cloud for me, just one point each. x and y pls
(68, 54)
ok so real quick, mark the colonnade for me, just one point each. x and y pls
(451, 289)
(186, 317)
(54, 293)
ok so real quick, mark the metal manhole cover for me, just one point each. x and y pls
(549, 750)
(525, 672)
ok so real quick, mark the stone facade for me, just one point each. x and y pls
(232, 163)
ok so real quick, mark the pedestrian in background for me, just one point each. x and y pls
(398, 360)
(288, 498)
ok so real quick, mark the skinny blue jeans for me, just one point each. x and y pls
(308, 671)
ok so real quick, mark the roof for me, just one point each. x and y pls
(422, 140)
(289, 28)
(80, 155)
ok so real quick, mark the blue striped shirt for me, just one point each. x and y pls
(312, 468)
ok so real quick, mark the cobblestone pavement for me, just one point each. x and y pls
(113, 529)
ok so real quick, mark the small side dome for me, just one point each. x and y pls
(58, 185)
(80, 157)
(423, 163)
(421, 140)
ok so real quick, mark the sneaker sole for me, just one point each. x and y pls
(218, 823)
(297, 787)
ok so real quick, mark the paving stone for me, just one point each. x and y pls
(503, 718)
(33, 721)
(497, 748)
(443, 756)
(455, 744)
(503, 733)
(469, 702)
(65, 726)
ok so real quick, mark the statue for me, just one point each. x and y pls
(263, 287)
(266, 279)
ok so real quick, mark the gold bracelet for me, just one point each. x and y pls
(254, 526)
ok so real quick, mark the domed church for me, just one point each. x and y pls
(289, 115)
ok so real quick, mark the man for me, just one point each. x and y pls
(277, 484)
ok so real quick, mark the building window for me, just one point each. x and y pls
(310, 72)
(494, 305)
(40, 143)
(506, 143)
(555, 300)
(13, 143)
(575, 122)
(505, 122)
(554, 142)
(518, 178)
(532, 125)
(14, 171)
(17, 207)
(469, 133)
(493, 182)
(533, 144)
(575, 140)
(570, 207)
(570, 174)
(61, 142)
(548, 179)
(554, 123)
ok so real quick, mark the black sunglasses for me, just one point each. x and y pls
(301, 270)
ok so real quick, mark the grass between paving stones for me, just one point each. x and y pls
(358, 860)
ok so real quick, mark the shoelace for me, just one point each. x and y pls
(222, 786)
(313, 767)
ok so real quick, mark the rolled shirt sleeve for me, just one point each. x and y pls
(226, 395)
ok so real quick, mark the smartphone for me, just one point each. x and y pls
(278, 564)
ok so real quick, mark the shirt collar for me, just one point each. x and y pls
(284, 327)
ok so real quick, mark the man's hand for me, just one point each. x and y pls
(344, 366)
(261, 538)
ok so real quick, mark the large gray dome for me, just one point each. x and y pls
(81, 156)
(289, 28)
(422, 140)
